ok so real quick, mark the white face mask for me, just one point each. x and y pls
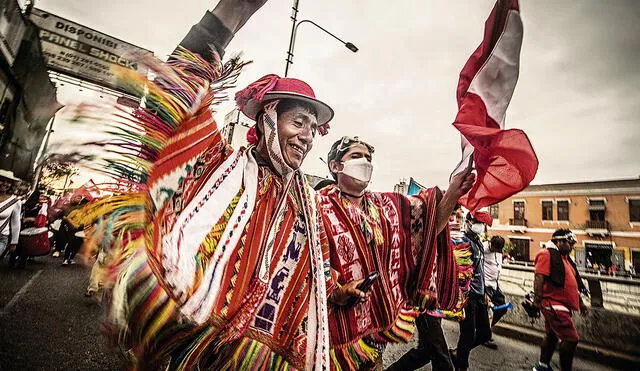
(477, 228)
(358, 168)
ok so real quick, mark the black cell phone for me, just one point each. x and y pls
(366, 284)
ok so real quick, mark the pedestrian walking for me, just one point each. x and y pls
(492, 269)
(557, 287)
(432, 347)
(474, 328)
(34, 232)
(10, 210)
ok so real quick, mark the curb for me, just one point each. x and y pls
(597, 354)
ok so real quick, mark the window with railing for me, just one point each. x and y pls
(563, 210)
(596, 224)
(597, 210)
(547, 210)
(521, 247)
(494, 210)
(634, 210)
(518, 210)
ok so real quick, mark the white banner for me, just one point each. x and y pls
(82, 52)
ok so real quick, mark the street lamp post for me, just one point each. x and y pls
(294, 31)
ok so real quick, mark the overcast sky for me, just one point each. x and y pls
(578, 96)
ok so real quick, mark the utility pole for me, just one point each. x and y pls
(42, 155)
(294, 19)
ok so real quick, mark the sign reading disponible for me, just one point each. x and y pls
(82, 52)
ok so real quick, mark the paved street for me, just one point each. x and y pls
(47, 324)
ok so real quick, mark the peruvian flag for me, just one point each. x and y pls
(505, 161)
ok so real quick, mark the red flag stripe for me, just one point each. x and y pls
(504, 159)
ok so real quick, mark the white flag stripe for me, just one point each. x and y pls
(496, 80)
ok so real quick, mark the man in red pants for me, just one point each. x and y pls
(557, 288)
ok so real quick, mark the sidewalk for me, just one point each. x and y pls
(609, 357)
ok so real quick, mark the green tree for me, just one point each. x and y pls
(508, 247)
(55, 171)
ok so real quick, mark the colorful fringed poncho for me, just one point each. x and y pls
(395, 236)
(218, 262)
(464, 269)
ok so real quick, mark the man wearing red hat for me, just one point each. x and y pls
(233, 272)
(389, 253)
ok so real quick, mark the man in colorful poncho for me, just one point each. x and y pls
(404, 239)
(474, 328)
(223, 261)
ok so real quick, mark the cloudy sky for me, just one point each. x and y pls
(578, 96)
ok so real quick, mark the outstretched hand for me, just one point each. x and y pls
(235, 13)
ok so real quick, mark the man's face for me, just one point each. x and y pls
(356, 151)
(296, 130)
(564, 246)
(4, 186)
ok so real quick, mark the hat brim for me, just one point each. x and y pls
(253, 107)
(9, 177)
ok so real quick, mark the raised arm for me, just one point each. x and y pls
(460, 184)
(217, 27)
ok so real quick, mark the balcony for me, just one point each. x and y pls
(518, 225)
(597, 227)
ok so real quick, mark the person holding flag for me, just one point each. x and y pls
(400, 241)
(503, 159)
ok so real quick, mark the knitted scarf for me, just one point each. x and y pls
(557, 275)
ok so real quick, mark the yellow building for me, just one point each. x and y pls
(605, 216)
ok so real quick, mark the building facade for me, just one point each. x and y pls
(605, 216)
(27, 95)
(235, 128)
(401, 187)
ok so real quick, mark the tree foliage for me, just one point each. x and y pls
(55, 171)
(508, 247)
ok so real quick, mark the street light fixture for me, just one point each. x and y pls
(294, 31)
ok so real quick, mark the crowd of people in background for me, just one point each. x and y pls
(32, 225)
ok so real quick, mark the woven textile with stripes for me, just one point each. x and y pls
(396, 236)
(218, 262)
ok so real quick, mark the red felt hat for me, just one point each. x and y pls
(251, 99)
